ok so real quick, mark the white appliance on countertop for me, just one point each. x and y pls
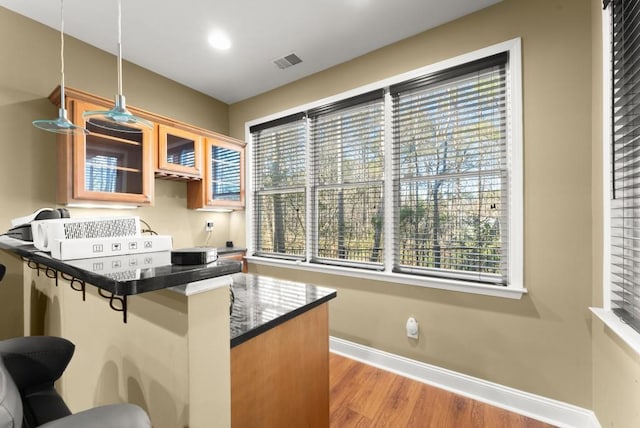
(79, 238)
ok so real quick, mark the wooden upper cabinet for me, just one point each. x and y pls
(223, 183)
(179, 153)
(119, 166)
(110, 166)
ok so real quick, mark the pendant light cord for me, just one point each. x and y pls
(119, 47)
(61, 125)
(62, 53)
(118, 118)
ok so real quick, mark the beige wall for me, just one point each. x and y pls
(616, 367)
(29, 71)
(540, 343)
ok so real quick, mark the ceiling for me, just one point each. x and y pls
(170, 37)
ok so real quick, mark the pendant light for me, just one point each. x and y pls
(118, 118)
(61, 125)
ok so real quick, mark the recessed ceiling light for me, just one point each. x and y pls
(219, 40)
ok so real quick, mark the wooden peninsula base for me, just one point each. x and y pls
(280, 378)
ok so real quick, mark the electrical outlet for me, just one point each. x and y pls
(412, 328)
(208, 226)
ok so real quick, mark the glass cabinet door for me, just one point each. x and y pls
(113, 160)
(223, 182)
(111, 165)
(225, 174)
(179, 151)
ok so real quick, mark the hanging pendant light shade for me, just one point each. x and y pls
(61, 125)
(118, 116)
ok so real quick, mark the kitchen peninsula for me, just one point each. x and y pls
(279, 353)
(178, 356)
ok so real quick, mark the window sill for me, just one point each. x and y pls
(622, 330)
(398, 278)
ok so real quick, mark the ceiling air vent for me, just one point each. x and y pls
(287, 61)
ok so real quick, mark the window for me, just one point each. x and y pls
(279, 177)
(347, 148)
(415, 179)
(624, 281)
(450, 163)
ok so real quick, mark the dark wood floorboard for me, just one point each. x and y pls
(363, 396)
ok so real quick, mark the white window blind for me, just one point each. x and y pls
(279, 193)
(625, 161)
(347, 141)
(450, 162)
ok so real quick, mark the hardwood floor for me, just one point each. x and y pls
(365, 396)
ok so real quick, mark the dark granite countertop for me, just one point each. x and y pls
(261, 303)
(124, 275)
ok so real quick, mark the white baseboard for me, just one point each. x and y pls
(534, 406)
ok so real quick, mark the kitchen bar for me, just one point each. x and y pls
(187, 350)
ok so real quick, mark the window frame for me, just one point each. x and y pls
(515, 287)
(605, 313)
